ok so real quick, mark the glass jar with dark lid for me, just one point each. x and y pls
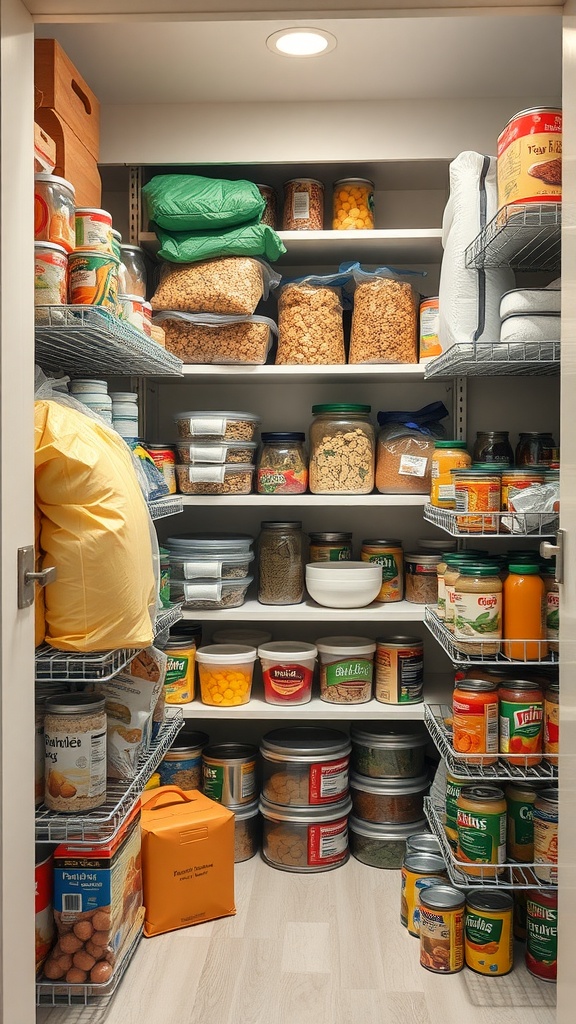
(536, 449)
(493, 447)
(282, 464)
(330, 547)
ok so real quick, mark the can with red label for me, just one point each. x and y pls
(287, 671)
(529, 165)
(305, 839)
(541, 933)
(305, 766)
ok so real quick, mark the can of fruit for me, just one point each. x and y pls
(390, 555)
(94, 230)
(488, 938)
(442, 929)
(529, 165)
(94, 279)
(165, 460)
(399, 670)
(50, 274)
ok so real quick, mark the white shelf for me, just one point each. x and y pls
(309, 611)
(359, 373)
(381, 246)
(436, 687)
(308, 500)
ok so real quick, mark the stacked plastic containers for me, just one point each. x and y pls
(94, 395)
(125, 413)
(215, 452)
(210, 570)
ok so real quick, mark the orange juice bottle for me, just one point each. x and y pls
(524, 613)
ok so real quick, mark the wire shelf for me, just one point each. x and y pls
(492, 524)
(497, 359)
(101, 825)
(168, 506)
(55, 993)
(511, 876)
(77, 667)
(472, 766)
(524, 236)
(88, 339)
(166, 618)
(459, 657)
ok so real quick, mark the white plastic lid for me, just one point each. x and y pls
(226, 654)
(51, 245)
(124, 396)
(343, 645)
(287, 650)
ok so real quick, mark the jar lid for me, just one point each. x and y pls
(535, 433)
(354, 181)
(330, 538)
(422, 841)
(421, 558)
(116, 234)
(230, 752)
(305, 741)
(477, 685)
(131, 248)
(455, 557)
(177, 643)
(269, 524)
(479, 569)
(346, 645)
(74, 703)
(397, 736)
(550, 794)
(306, 815)
(492, 433)
(489, 899)
(389, 787)
(553, 687)
(524, 568)
(54, 179)
(224, 414)
(436, 545)
(186, 628)
(442, 897)
(341, 407)
(450, 444)
(425, 863)
(524, 470)
(277, 436)
(520, 684)
(92, 209)
(51, 245)
(486, 794)
(226, 654)
(218, 542)
(383, 543)
(399, 641)
(384, 830)
(283, 650)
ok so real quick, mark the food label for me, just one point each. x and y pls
(442, 940)
(521, 824)
(441, 606)
(300, 206)
(552, 615)
(412, 885)
(75, 764)
(478, 616)
(412, 465)
(50, 278)
(328, 782)
(179, 682)
(286, 482)
(529, 167)
(521, 727)
(546, 845)
(214, 777)
(475, 726)
(551, 726)
(392, 574)
(93, 231)
(326, 554)
(327, 844)
(541, 933)
(488, 942)
(356, 672)
(399, 674)
(453, 787)
(481, 836)
(429, 343)
(287, 681)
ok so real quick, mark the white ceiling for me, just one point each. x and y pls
(399, 58)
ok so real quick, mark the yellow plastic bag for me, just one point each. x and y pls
(39, 611)
(95, 530)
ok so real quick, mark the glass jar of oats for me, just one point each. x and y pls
(342, 449)
(75, 752)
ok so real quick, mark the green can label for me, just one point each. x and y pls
(482, 837)
(176, 670)
(541, 932)
(357, 671)
(453, 788)
(482, 930)
(213, 781)
(520, 727)
(521, 822)
(389, 567)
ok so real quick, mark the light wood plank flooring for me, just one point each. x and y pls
(308, 949)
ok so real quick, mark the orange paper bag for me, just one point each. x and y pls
(187, 859)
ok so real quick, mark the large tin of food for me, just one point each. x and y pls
(419, 870)
(385, 750)
(305, 766)
(529, 165)
(305, 839)
(229, 773)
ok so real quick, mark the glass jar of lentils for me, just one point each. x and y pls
(281, 563)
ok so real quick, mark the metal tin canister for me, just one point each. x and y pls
(419, 870)
(442, 929)
(305, 839)
(541, 933)
(546, 836)
(230, 773)
(182, 763)
(305, 766)
(399, 670)
(488, 938)
(93, 279)
(529, 165)
(390, 555)
(330, 547)
(423, 842)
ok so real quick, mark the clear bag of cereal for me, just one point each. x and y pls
(310, 323)
(385, 317)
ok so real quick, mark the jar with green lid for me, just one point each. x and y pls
(450, 572)
(478, 608)
(448, 455)
(342, 449)
(330, 547)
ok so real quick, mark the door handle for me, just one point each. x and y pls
(44, 577)
(27, 576)
(548, 550)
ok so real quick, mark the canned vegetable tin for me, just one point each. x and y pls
(489, 946)
(529, 167)
(399, 669)
(481, 825)
(229, 773)
(442, 929)
(541, 933)
(390, 555)
(419, 870)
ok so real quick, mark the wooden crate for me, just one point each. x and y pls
(73, 161)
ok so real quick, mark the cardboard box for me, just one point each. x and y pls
(187, 859)
(44, 151)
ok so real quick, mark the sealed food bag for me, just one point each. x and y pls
(187, 859)
(310, 324)
(39, 607)
(131, 698)
(253, 239)
(405, 448)
(95, 531)
(385, 317)
(189, 202)
(232, 285)
(211, 338)
(98, 908)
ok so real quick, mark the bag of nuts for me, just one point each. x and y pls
(210, 338)
(232, 284)
(310, 326)
(385, 318)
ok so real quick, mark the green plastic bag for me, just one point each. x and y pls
(188, 202)
(191, 246)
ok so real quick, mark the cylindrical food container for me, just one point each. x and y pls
(481, 826)
(181, 652)
(230, 773)
(165, 460)
(399, 670)
(477, 493)
(93, 230)
(304, 766)
(346, 668)
(44, 875)
(478, 608)
(536, 449)
(475, 721)
(521, 714)
(421, 578)
(453, 788)
(422, 842)
(303, 205)
(75, 752)
(305, 839)
(546, 836)
(132, 258)
(552, 589)
(442, 929)
(493, 448)
(382, 750)
(225, 673)
(388, 554)
(50, 274)
(542, 933)
(529, 165)
(247, 829)
(489, 940)
(282, 466)
(39, 751)
(396, 801)
(135, 311)
(518, 479)
(448, 455)
(330, 547)
(520, 798)
(280, 563)
(380, 845)
(93, 279)
(419, 870)
(353, 205)
(430, 344)
(270, 215)
(552, 722)
(182, 764)
(342, 449)
(287, 671)
(54, 214)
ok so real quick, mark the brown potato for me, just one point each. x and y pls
(70, 943)
(83, 929)
(101, 973)
(83, 960)
(95, 951)
(101, 921)
(100, 939)
(75, 976)
(53, 970)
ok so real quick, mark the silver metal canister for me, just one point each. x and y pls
(230, 773)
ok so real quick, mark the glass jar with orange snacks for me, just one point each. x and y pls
(353, 205)
(475, 720)
(448, 455)
(477, 490)
(225, 673)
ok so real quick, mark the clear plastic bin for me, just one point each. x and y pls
(216, 451)
(216, 594)
(217, 426)
(227, 478)
(225, 673)
(199, 567)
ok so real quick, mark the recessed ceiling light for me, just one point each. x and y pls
(301, 42)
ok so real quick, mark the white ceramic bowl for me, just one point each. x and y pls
(343, 584)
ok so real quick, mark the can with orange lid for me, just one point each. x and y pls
(529, 167)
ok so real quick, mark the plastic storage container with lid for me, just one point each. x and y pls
(388, 800)
(210, 594)
(215, 544)
(448, 455)
(216, 452)
(353, 205)
(227, 478)
(381, 845)
(282, 466)
(421, 578)
(216, 426)
(342, 449)
(305, 839)
(247, 829)
(225, 674)
(346, 668)
(478, 608)
(134, 263)
(287, 671)
(305, 766)
(210, 567)
(380, 750)
(54, 212)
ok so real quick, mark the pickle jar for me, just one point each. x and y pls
(342, 449)
(353, 205)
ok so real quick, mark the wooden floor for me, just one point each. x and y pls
(308, 949)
